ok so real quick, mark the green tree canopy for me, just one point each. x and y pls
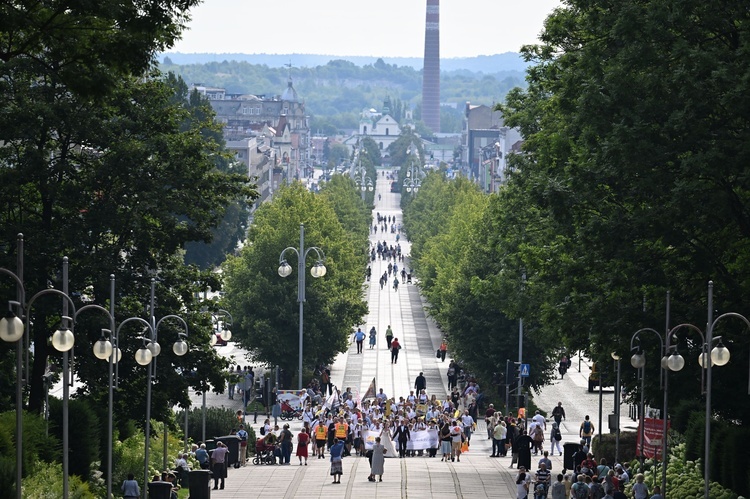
(635, 169)
(264, 305)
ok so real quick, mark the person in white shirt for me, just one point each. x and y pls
(468, 423)
(539, 419)
(411, 398)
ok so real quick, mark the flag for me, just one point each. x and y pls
(370, 393)
(330, 401)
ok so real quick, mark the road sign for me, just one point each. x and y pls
(524, 370)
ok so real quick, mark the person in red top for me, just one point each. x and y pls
(395, 347)
(302, 440)
(589, 463)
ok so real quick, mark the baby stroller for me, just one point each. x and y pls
(264, 453)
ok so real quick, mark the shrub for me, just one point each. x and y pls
(606, 449)
(219, 421)
(36, 447)
(47, 483)
(84, 434)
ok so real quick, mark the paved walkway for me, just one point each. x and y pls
(476, 476)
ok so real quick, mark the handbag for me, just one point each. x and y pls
(437, 354)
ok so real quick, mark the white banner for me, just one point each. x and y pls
(420, 440)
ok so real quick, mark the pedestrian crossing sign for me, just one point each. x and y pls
(524, 370)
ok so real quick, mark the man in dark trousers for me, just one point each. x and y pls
(402, 436)
(420, 383)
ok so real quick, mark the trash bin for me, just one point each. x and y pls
(200, 484)
(233, 446)
(159, 490)
(614, 422)
(569, 449)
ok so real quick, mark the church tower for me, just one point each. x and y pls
(431, 70)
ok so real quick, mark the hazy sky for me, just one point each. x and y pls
(383, 28)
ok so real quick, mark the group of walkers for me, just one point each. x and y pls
(385, 223)
(341, 427)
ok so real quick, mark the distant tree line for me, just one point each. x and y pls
(335, 93)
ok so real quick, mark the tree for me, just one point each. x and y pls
(635, 162)
(337, 153)
(264, 305)
(143, 186)
(371, 150)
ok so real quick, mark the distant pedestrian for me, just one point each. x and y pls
(420, 383)
(373, 337)
(389, 336)
(443, 349)
(359, 337)
(395, 347)
(587, 430)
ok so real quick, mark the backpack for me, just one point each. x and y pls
(580, 491)
(451, 372)
(558, 435)
(587, 427)
(538, 433)
(262, 430)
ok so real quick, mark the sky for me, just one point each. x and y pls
(380, 28)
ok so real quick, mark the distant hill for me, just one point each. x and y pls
(488, 64)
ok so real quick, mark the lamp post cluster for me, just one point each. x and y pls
(713, 353)
(360, 177)
(318, 270)
(12, 330)
(412, 181)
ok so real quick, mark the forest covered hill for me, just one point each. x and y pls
(337, 91)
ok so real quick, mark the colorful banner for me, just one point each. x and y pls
(653, 434)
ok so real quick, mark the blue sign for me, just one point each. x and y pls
(524, 370)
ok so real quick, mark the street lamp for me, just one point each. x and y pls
(11, 331)
(638, 361)
(358, 174)
(412, 182)
(103, 350)
(718, 355)
(617, 405)
(317, 270)
(146, 356)
(221, 326)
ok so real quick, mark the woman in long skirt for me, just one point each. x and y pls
(337, 467)
(302, 440)
(378, 460)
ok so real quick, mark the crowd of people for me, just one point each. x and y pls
(382, 426)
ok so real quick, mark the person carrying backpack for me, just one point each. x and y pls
(587, 431)
(580, 490)
(243, 446)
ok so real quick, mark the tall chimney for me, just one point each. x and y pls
(431, 70)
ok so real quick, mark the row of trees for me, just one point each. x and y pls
(112, 164)
(335, 93)
(633, 182)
